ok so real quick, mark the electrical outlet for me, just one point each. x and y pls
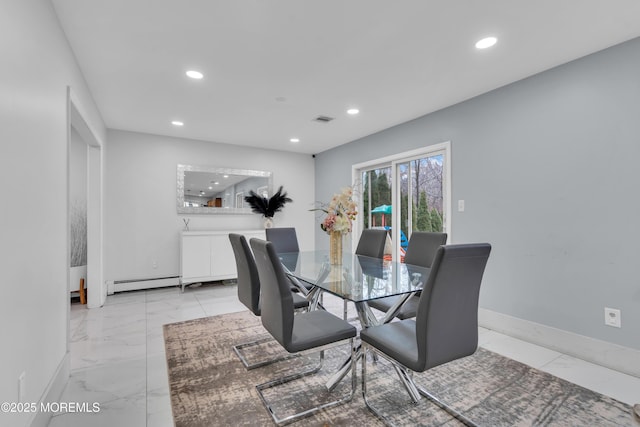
(612, 317)
(154, 264)
(22, 387)
(460, 205)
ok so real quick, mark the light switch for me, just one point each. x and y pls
(460, 205)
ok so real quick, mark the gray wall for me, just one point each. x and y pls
(142, 225)
(548, 169)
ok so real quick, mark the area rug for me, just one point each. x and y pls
(210, 386)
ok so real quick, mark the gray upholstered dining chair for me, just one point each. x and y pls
(445, 327)
(312, 331)
(421, 251)
(285, 240)
(249, 294)
(371, 243)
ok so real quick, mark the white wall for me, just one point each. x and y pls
(141, 221)
(37, 66)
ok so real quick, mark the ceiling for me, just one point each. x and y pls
(271, 67)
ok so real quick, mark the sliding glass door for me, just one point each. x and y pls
(406, 193)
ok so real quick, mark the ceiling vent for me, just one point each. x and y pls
(323, 119)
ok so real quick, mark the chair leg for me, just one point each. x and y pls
(464, 420)
(364, 388)
(408, 383)
(308, 412)
(249, 366)
(411, 387)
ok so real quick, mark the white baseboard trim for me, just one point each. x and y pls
(114, 286)
(53, 392)
(614, 356)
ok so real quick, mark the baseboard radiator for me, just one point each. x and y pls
(114, 286)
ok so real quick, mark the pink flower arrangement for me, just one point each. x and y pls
(341, 211)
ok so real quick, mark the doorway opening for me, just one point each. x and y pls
(85, 155)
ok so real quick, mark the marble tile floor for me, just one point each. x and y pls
(117, 356)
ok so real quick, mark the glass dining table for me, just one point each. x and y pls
(357, 278)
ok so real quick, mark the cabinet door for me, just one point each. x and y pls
(223, 262)
(196, 256)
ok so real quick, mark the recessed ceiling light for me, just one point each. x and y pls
(295, 140)
(194, 74)
(353, 111)
(177, 123)
(486, 42)
(225, 176)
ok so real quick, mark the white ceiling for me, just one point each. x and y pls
(394, 60)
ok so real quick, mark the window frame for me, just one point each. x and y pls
(394, 161)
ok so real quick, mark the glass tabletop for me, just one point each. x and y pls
(358, 278)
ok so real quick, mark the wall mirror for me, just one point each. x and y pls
(213, 190)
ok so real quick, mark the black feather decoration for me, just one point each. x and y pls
(258, 203)
(267, 207)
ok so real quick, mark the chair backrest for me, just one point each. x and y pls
(284, 239)
(372, 243)
(277, 302)
(423, 246)
(248, 280)
(447, 317)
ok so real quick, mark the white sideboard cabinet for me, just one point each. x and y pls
(206, 256)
